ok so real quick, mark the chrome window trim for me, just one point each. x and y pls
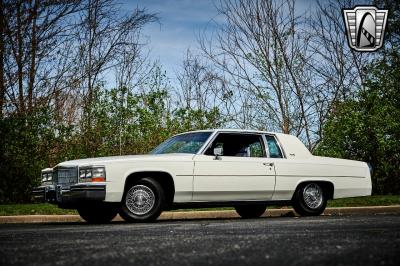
(217, 132)
(277, 142)
(280, 147)
(212, 132)
(207, 142)
(266, 146)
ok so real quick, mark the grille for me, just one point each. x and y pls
(65, 177)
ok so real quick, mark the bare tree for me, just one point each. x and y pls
(105, 40)
(103, 35)
(52, 50)
(31, 33)
(262, 50)
(338, 71)
(284, 72)
(2, 82)
(132, 71)
(198, 84)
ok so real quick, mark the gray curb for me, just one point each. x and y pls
(188, 215)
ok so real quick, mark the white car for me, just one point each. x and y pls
(248, 170)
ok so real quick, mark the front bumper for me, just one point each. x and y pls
(73, 194)
(81, 192)
(46, 193)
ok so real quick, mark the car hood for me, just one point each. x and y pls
(128, 158)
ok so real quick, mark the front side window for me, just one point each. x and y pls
(273, 147)
(239, 145)
(185, 143)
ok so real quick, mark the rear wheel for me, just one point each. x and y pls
(309, 199)
(143, 201)
(97, 213)
(250, 211)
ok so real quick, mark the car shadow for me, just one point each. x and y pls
(119, 221)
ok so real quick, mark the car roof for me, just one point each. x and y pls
(233, 130)
(290, 145)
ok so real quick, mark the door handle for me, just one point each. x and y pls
(268, 164)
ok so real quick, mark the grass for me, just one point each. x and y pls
(386, 200)
(45, 208)
(32, 209)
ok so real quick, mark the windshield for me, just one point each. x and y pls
(185, 143)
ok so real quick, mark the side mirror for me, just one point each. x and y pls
(218, 152)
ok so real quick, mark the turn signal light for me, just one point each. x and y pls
(99, 174)
(98, 179)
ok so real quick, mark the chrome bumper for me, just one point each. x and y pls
(44, 193)
(81, 192)
(72, 194)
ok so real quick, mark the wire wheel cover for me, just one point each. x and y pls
(312, 195)
(140, 199)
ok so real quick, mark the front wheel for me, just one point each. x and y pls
(309, 200)
(250, 211)
(143, 201)
(97, 213)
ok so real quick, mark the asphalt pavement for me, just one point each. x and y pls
(323, 240)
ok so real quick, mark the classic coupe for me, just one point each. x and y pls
(247, 170)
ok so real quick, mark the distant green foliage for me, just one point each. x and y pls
(116, 122)
(124, 123)
(24, 146)
(368, 128)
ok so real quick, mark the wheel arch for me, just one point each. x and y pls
(326, 185)
(164, 178)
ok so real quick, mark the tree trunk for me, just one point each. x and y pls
(2, 85)
(20, 71)
(32, 70)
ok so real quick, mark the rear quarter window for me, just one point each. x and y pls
(273, 147)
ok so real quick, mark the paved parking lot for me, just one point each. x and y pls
(324, 240)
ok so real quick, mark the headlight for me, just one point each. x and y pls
(99, 172)
(92, 174)
(88, 173)
(82, 174)
(47, 177)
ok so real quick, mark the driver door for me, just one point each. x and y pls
(242, 172)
